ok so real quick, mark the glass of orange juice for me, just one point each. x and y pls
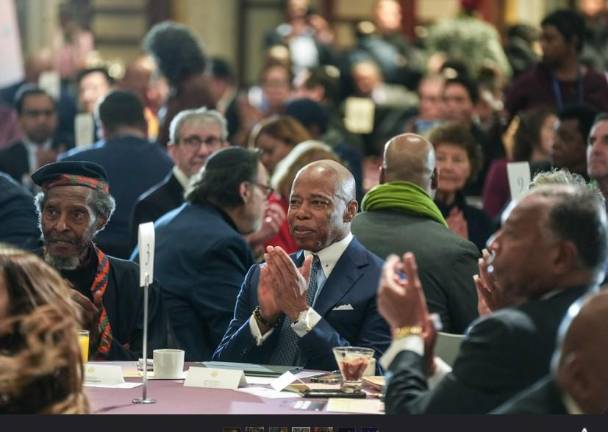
(83, 338)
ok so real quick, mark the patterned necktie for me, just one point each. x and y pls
(286, 351)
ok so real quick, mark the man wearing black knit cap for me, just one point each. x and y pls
(73, 206)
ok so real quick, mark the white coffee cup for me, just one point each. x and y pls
(168, 363)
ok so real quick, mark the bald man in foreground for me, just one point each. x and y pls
(578, 383)
(399, 216)
(292, 310)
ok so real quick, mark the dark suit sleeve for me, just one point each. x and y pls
(462, 296)
(131, 346)
(238, 343)
(486, 372)
(318, 343)
(223, 269)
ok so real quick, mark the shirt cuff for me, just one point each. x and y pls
(306, 321)
(409, 343)
(441, 370)
(256, 333)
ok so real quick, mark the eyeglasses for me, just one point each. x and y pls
(194, 142)
(37, 113)
(267, 190)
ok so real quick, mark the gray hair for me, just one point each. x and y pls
(578, 215)
(557, 177)
(199, 115)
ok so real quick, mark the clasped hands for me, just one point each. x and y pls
(283, 286)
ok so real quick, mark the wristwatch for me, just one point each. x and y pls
(403, 332)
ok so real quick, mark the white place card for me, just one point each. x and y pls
(267, 393)
(103, 375)
(84, 128)
(146, 253)
(283, 381)
(359, 115)
(215, 378)
(50, 81)
(355, 406)
(519, 178)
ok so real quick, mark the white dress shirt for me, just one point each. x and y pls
(309, 317)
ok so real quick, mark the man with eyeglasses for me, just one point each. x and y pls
(201, 253)
(195, 134)
(133, 163)
(38, 121)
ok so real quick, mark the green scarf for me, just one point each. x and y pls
(404, 196)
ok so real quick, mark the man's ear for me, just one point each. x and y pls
(171, 148)
(434, 179)
(351, 211)
(566, 258)
(381, 169)
(100, 223)
(573, 376)
(244, 191)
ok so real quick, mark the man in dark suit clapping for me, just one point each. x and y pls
(550, 251)
(293, 310)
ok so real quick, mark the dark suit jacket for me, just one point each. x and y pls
(542, 398)
(353, 281)
(18, 219)
(123, 301)
(155, 202)
(502, 354)
(200, 260)
(133, 165)
(446, 262)
(15, 162)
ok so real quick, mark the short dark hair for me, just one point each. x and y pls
(569, 23)
(220, 68)
(121, 108)
(527, 135)
(309, 113)
(27, 90)
(584, 114)
(327, 77)
(580, 217)
(468, 85)
(603, 116)
(219, 180)
(177, 51)
(101, 69)
(459, 135)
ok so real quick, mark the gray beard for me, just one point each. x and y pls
(61, 263)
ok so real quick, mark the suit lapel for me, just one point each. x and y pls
(175, 191)
(344, 276)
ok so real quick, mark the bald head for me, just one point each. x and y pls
(332, 172)
(409, 157)
(583, 356)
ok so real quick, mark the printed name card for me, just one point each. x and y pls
(103, 375)
(215, 378)
(283, 381)
(84, 128)
(146, 253)
(50, 81)
(359, 115)
(519, 178)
